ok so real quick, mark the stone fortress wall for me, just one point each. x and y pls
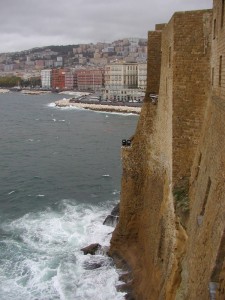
(206, 228)
(171, 230)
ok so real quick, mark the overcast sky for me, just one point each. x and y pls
(25, 24)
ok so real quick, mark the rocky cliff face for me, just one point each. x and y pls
(171, 224)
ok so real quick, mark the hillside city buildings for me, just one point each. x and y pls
(117, 70)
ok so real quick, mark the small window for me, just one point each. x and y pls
(166, 85)
(169, 56)
(222, 13)
(214, 29)
(220, 69)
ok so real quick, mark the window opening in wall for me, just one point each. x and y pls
(214, 29)
(220, 69)
(161, 242)
(206, 196)
(222, 13)
(169, 56)
(166, 85)
(212, 76)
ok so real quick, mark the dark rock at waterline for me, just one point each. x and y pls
(116, 210)
(126, 277)
(112, 219)
(125, 287)
(91, 249)
(129, 296)
(92, 265)
(96, 262)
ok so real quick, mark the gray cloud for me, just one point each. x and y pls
(29, 23)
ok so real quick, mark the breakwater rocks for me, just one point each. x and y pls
(111, 107)
(34, 92)
(3, 91)
(91, 249)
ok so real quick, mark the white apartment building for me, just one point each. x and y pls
(46, 78)
(121, 75)
(142, 76)
(122, 81)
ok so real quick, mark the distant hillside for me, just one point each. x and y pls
(62, 49)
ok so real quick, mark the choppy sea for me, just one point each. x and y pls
(60, 177)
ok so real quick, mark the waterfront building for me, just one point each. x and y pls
(69, 80)
(58, 79)
(142, 76)
(122, 82)
(46, 77)
(90, 79)
(121, 75)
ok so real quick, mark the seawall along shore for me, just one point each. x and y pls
(99, 107)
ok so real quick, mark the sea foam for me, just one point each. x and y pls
(42, 257)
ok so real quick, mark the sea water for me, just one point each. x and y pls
(60, 177)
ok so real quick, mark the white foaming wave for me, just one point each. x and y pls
(11, 192)
(52, 104)
(72, 107)
(69, 107)
(115, 192)
(32, 140)
(46, 261)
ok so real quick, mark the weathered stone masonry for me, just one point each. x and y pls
(154, 60)
(171, 229)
